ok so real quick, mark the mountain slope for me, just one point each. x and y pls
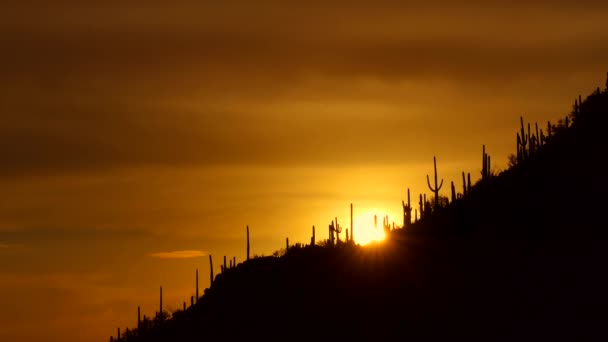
(522, 257)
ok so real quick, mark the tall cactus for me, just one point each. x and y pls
(138, 319)
(523, 139)
(421, 204)
(437, 188)
(248, 246)
(160, 312)
(485, 169)
(210, 270)
(286, 244)
(407, 211)
(464, 185)
(352, 229)
(338, 230)
(312, 239)
(386, 225)
(225, 268)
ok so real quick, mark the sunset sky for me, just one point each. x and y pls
(138, 137)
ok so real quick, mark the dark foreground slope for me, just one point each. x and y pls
(522, 258)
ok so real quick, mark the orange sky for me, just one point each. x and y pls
(137, 129)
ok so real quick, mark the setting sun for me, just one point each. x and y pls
(365, 230)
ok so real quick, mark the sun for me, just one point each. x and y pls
(365, 232)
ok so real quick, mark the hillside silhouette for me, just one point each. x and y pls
(517, 256)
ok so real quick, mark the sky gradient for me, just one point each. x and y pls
(138, 138)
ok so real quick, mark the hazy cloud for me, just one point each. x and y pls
(109, 85)
(178, 254)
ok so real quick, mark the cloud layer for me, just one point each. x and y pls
(178, 254)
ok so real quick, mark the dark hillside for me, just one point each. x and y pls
(523, 257)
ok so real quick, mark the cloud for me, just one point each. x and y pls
(3, 245)
(178, 254)
(216, 84)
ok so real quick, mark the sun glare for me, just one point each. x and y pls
(365, 231)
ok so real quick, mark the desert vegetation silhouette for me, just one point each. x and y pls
(517, 255)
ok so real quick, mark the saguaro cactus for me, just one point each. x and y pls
(352, 230)
(387, 225)
(225, 268)
(248, 243)
(210, 270)
(138, 319)
(485, 169)
(464, 185)
(338, 230)
(523, 140)
(407, 211)
(312, 239)
(160, 312)
(437, 188)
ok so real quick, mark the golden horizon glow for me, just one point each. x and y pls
(365, 232)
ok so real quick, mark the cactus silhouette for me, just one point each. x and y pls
(352, 230)
(407, 211)
(485, 169)
(312, 239)
(464, 185)
(436, 188)
(248, 246)
(338, 230)
(160, 312)
(522, 141)
(210, 270)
